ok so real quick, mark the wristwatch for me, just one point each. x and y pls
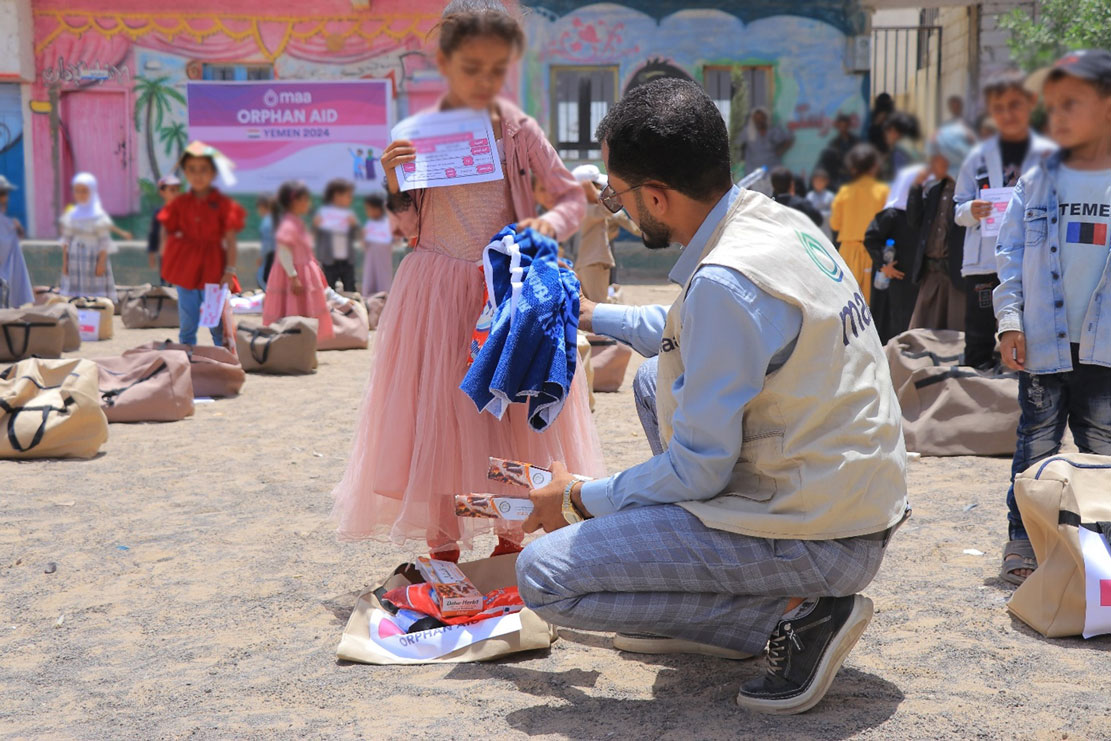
(569, 512)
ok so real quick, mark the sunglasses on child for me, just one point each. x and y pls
(611, 199)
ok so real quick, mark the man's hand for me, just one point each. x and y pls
(980, 210)
(540, 225)
(547, 503)
(1012, 346)
(586, 313)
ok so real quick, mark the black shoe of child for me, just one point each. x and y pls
(804, 653)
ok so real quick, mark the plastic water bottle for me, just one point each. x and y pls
(881, 282)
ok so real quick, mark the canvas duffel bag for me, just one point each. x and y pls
(66, 313)
(153, 386)
(104, 308)
(949, 409)
(350, 327)
(288, 346)
(30, 332)
(51, 409)
(1066, 509)
(47, 295)
(375, 305)
(216, 371)
(150, 307)
(123, 293)
(610, 359)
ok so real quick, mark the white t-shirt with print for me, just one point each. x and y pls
(1084, 223)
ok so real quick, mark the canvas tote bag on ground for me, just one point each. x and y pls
(30, 332)
(47, 295)
(67, 316)
(288, 346)
(123, 293)
(1065, 503)
(146, 387)
(375, 304)
(525, 631)
(950, 409)
(610, 359)
(51, 409)
(216, 371)
(150, 306)
(350, 327)
(104, 308)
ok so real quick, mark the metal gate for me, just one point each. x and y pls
(906, 64)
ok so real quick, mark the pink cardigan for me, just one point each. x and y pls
(527, 151)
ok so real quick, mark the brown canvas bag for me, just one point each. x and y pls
(216, 371)
(375, 305)
(103, 307)
(949, 409)
(288, 346)
(154, 386)
(123, 293)
(66, 314)
(30, 332)
(150, 307)
(51, 409)
(1058, 498)
(47, 295)
(487, 575)
(350, 327)
(610, 359)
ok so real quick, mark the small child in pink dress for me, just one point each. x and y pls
(295, 286)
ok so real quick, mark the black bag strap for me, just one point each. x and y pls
(14, 412)
(257, 333)
(26, 327)
(145, 300)
(109, 396)
(937, 359)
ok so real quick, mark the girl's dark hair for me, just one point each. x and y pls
(905, 123)
(335, 187)
(270, 203)
(289, 192)
(862, 159)
(470, 19)
(375, 200)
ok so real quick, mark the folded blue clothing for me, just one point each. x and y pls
(530, 355)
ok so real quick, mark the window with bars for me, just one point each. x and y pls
(759, 79)
(238, 72)
(581, 96)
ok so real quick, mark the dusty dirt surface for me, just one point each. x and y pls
(198, 591)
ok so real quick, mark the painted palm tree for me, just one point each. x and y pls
(153, 100)
(175, 139)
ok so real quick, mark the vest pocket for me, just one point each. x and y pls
(756, 451)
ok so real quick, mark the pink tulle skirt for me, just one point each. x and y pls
(419, 439)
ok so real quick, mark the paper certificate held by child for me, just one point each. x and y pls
(999, 198)
(453, 148)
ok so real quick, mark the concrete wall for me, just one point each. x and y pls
(17, 61)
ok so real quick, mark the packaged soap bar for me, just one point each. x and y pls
(521, 474)
(455, 592)
(492, 507)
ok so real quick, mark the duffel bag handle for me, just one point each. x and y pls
(26, 327)
(109, 396)
(146, 309)
(14, 412)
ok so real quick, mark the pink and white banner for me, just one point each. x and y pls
(311, 131)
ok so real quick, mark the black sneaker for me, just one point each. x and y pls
(804, 654)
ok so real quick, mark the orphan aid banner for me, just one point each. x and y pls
(310, 131)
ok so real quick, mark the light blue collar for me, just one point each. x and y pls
(692, 253)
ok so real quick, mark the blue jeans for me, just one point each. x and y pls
(189, 302)
(1080, 398)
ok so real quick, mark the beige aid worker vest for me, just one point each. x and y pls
(822, 454)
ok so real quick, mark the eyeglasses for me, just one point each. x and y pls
(611, 199)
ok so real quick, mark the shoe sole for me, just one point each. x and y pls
(828, 667)
(660, 646)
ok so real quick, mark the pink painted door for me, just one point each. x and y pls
(96, 138)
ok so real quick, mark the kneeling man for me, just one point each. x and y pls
(780, 468)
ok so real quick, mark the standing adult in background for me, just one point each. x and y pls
(883, 109)
(15, 281)
(765, 143)
(779, 468)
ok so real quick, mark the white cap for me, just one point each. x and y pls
(587, 173)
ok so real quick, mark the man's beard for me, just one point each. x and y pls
(655, 234)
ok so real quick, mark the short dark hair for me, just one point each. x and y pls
(843, 118)
(335, 187)
(905, 123)
(472, 19)
(669, 130)
(1002, 82)
(861, 159)
(206, 157)
(291, 191)
(781, 179)
(375, 200)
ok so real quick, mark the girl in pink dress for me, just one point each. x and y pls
(295, 286)
(420, 439)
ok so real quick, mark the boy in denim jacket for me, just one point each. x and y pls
(1052, 256)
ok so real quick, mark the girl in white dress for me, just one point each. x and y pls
(87, 243)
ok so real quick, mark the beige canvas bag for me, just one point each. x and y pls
(66, 314)
(103, 307)
(350, 327)
(216, 371)
(30, 332)
(123, 293)
(585, 349)
(288, 346)
(150, 307)
(610, 359)
(949, 409)
(1065, 503)
(47, 295)
(51, 409)
(375, 305)
(487, 575)
(153, 386)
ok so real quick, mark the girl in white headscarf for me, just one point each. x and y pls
(86, 243)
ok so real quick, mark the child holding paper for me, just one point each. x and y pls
(419, 439)
(296, 286)
(201, 246)
(1052, 256)
(993, 167)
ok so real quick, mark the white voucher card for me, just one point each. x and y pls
(453, 148)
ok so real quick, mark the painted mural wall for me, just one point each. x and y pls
(807, 55)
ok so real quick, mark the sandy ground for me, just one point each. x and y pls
(199, 592)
